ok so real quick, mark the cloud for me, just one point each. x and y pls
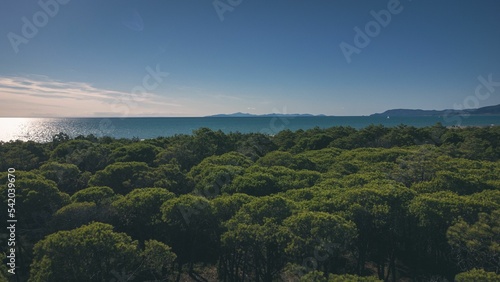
(35, 96)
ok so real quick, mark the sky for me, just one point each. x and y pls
(103, 58)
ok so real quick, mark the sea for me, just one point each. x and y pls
(43, 129)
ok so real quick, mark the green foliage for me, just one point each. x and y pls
(255, 184)
(435, 213)
(22, 155)
(478, 275)
(231, 158)
(419, 166)
(97, 194)
(69, 255)
(352, 278)
(254, 145)
(86, 155)
(158, 258)
(263, 244)
(454, 182)
(487, 200)
(263, 209)
(278, 158)
(314, 276)
(399, 203)
(123, 177)
(439, 210)
(370, 136)
(477, 245)
(74, 215)
(171, 177)
(135, 152)
(226, 206)
(36, 199)
(318, 276)
(323, 159)
(67, 176)
(214, 174)
(319, 234)
(255, 234)
(139, 213)
(260, 181)
(191, 225)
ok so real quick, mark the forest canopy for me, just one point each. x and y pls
(334, 204)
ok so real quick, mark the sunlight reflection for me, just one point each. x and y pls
(17, 128)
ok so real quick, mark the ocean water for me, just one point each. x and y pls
(42, 129)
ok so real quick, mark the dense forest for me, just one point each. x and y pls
(335, 204)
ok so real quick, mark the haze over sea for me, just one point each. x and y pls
(43, 129)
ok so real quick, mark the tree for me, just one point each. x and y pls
(417, 167)
(454, 182)
(59, 138)
(67, 176)
(321, 236)
(215, 173)
(82, 153)
(74, 215)
(255, 145)
(370, 136)
(139, 212)
(231, 158)
(171, 177)
(255, 240)
(36, 200)
(90, 253)
(123, 177)
(96, 194)
(277, 158)
(158, 259)
(206, 142)
(478, 275)
(380, 213)
(191, 228)
(135, 152)
(262, 181)
(285, 139)
(254, 184)
(211, 180)
(323, 159)
(226, 206)
(477, 245)
(435, 213)
(352, 278)
(318, 276)
(22, 155)
(476, 149)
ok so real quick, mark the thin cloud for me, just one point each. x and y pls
(41, 96)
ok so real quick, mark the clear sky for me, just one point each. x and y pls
(201, 57)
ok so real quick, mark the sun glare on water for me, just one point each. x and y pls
(18, 129)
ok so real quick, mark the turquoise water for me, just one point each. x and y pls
(42, 129)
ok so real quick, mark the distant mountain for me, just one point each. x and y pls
(490, 110)
(239, 114)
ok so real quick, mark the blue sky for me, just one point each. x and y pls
(183, 58)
